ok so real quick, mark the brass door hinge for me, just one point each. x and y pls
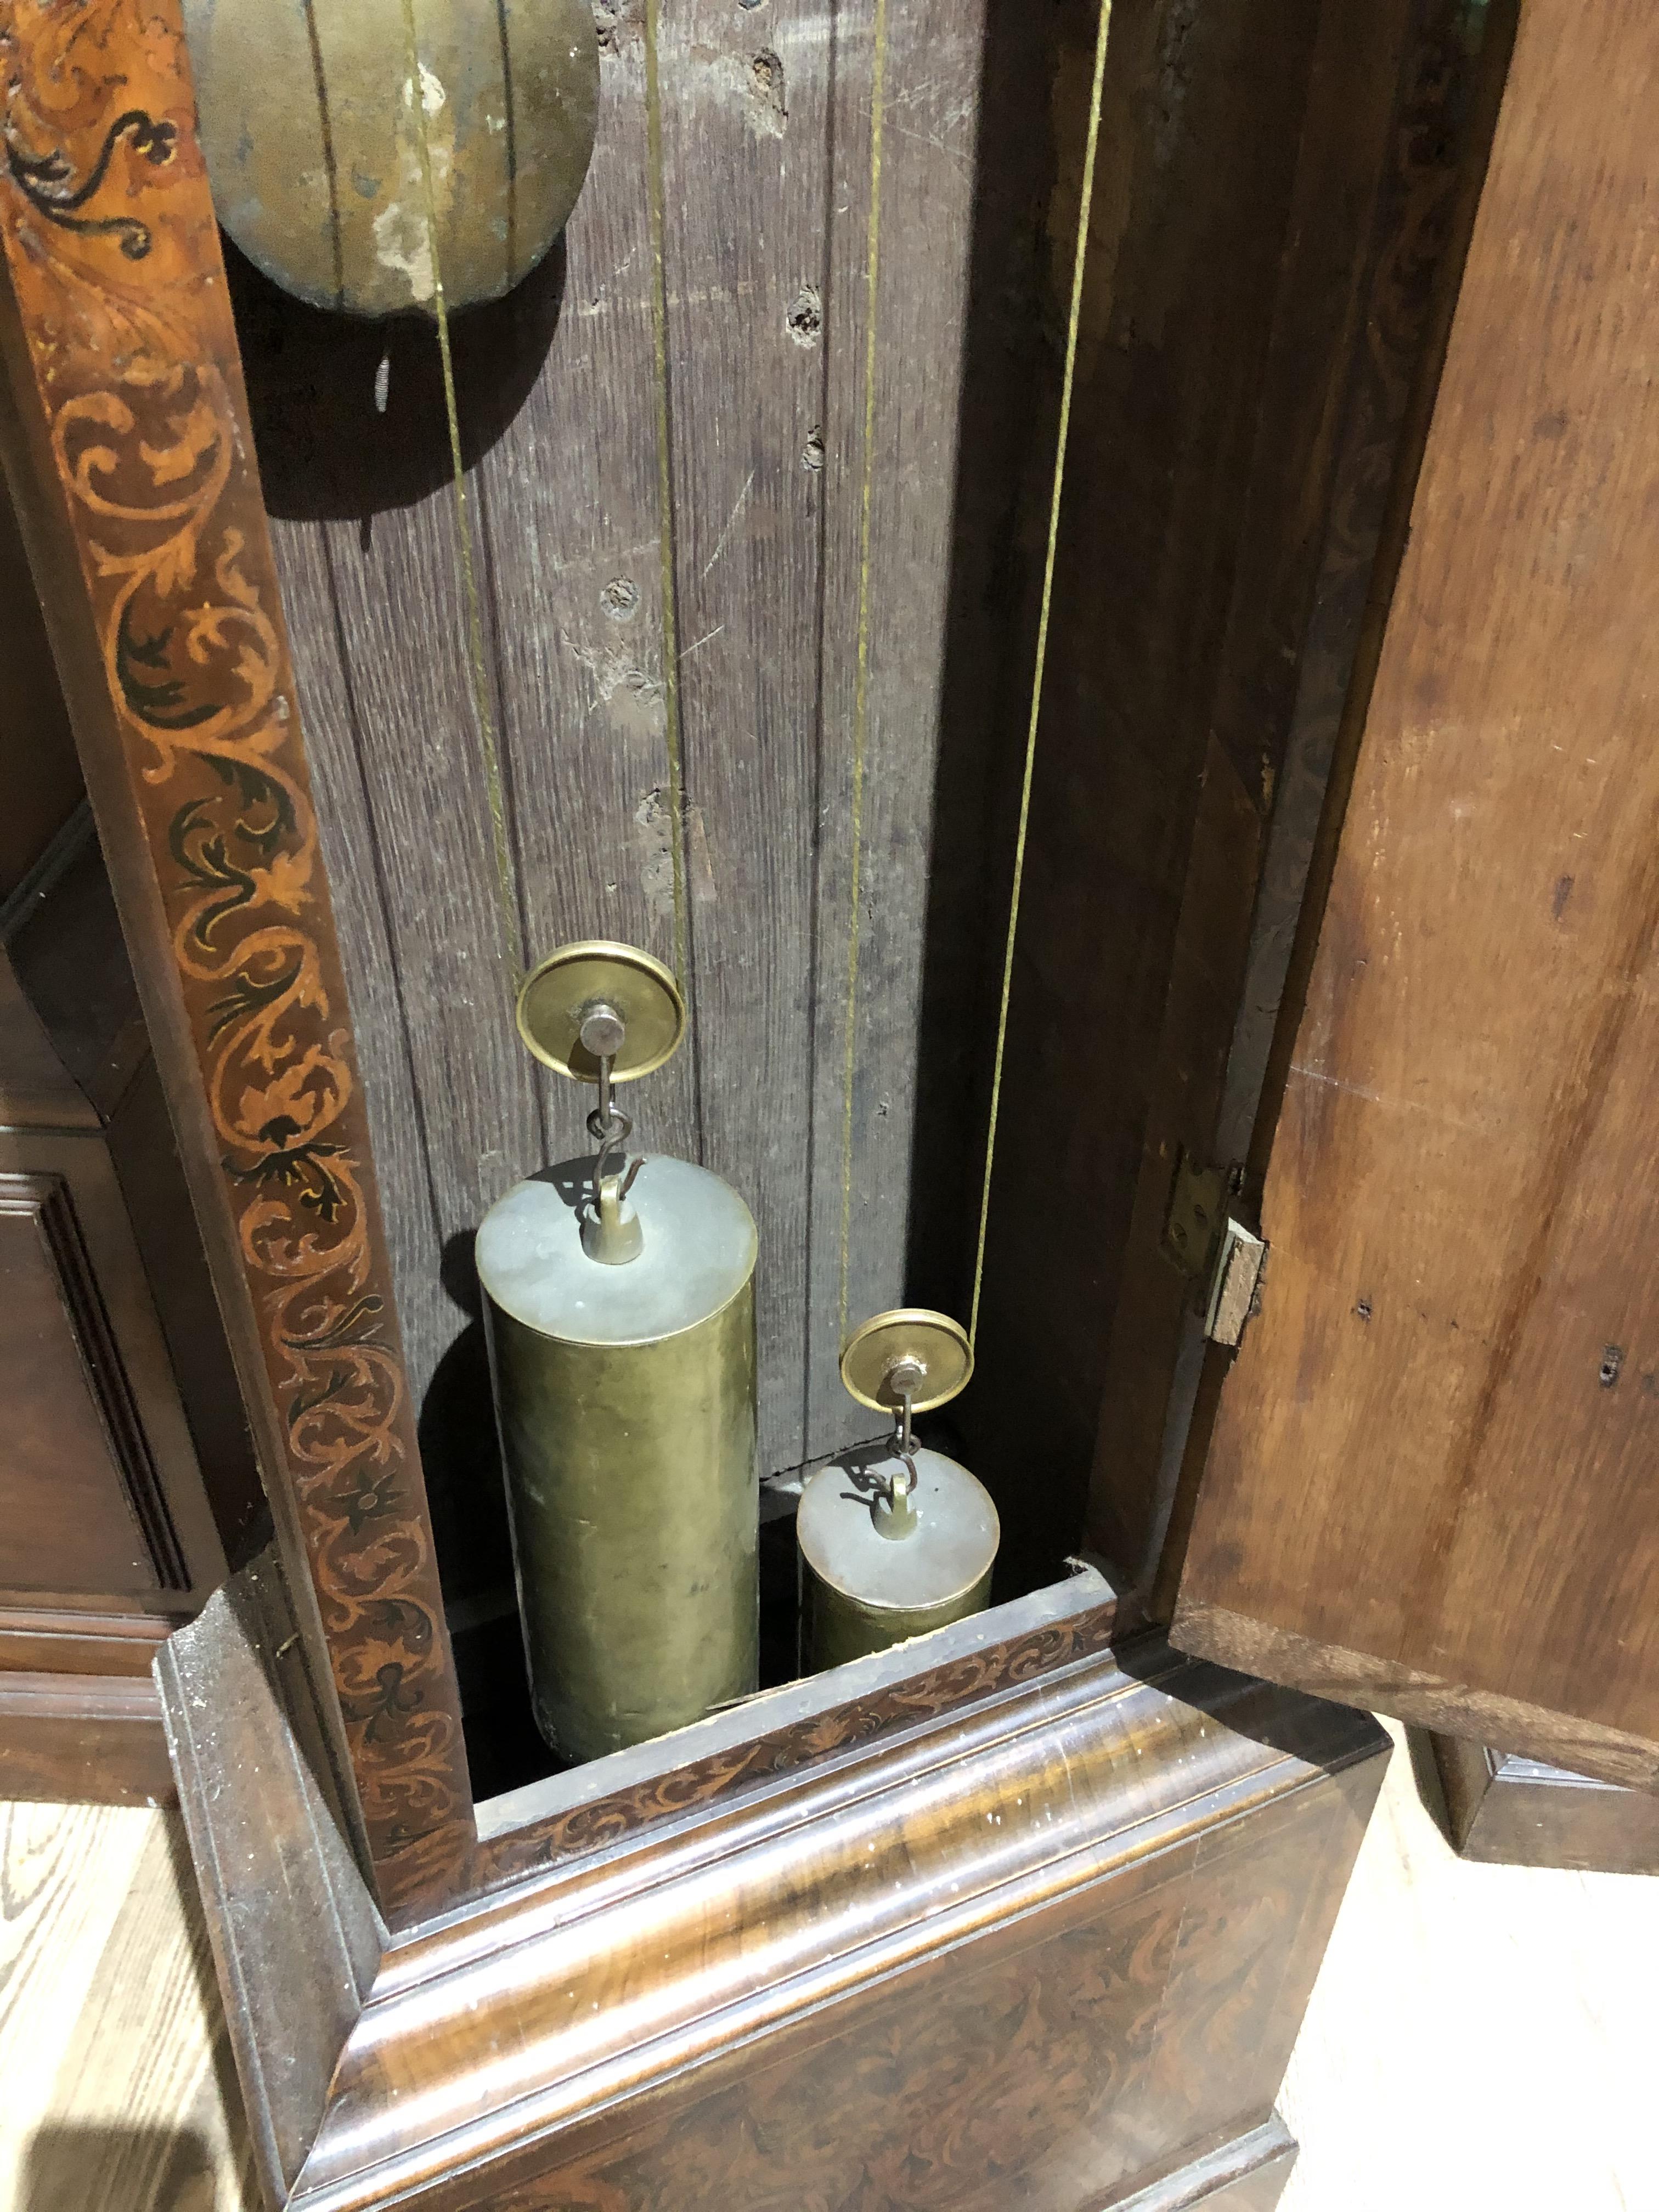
(1207, 1237)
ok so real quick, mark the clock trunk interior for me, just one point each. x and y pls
(750, 468)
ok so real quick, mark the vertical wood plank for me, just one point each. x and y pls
(570, 495)
(367, 547)
(897, 579)
(745, 115)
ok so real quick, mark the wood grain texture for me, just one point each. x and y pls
(1443, 1420)
(1398, 117)
(1541, 2027)
(757, 427)
(1506, 1811)
(746, 154)
(1202, 121)
(1066, 1956)
(115, 2056)
(298, 1949)
(82, 1739)
(134, 475)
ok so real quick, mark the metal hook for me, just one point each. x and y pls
(611, 1129)
(896, 1513)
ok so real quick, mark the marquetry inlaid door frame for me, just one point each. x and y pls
(129, 442)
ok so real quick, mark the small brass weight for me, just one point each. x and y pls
(893, 1546)
(620, 1311)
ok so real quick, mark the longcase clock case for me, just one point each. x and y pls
(762, 463)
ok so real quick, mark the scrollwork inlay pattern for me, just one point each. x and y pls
(113, 254)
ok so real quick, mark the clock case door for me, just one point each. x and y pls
(1428, 1482)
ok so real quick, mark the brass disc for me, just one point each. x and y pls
(554, 996)
(319, 161)
(938, 1345)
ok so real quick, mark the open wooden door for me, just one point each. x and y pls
(1432, 1482)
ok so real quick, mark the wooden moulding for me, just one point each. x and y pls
(1053, 1949)
(1511, 1811)
(132, 467)
(83, 1738)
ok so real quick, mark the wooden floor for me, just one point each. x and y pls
(1481, 2036)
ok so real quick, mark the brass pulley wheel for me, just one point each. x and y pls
(906, 1339)
(332, 184)
(636, 998)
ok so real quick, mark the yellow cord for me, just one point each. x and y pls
(1078, 263)
(671, 685)
(861, 694)
(507, 899)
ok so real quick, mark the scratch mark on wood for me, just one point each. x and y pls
(720, 547)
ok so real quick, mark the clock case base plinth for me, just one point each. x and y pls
(1506, 1810)
(1050, 1944)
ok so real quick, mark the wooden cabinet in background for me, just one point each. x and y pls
(127, 1482)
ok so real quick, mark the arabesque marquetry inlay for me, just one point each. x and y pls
(114, 261)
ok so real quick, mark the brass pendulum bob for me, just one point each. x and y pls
(351, 194)
(892, 1548)
(619, 1307)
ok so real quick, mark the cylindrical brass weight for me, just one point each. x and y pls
(625, 1398)
(862, 1590)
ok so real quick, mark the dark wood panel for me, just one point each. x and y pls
(1203, 117)
(1443, 1423)
(55, 1636)
(1401, 99)
(77, 1482)
(42, 778)
(72, 967)
(36, 1089)
(156, 1202)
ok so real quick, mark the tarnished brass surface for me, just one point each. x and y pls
(863, 1587)
(837, 1628)
(642, 990)
(315, 157)
(932, 1341)
(635, 1499)
(625, 1398)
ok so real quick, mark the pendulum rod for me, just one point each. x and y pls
(861, 691)
(509, 909)
(1079, 260)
